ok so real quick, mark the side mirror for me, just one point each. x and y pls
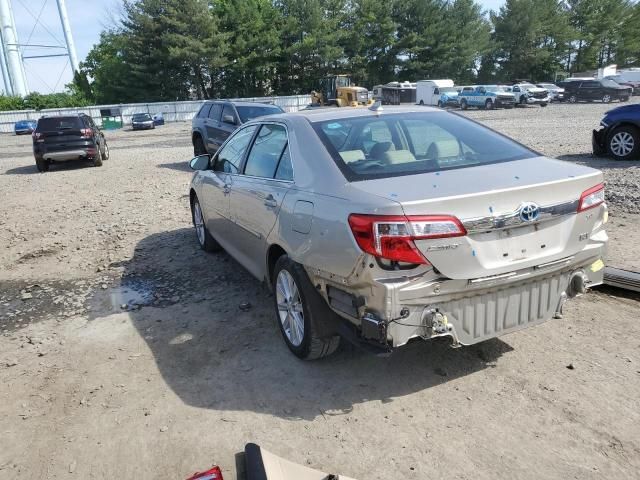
(201, 162)
(229, 119)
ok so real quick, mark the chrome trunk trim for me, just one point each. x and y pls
(512, 219)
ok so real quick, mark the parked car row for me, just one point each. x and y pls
(443, 93)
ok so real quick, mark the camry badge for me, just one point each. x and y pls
(529, 212)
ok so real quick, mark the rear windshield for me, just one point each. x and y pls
(250, 112)
(59, 123)
(406, 144)
(141, 117)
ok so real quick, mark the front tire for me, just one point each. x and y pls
(440, 104)
(299, 308)
(488, 104)
(543, 104)
(573, 99)
(606, 98)
(624, 143)
(463, 104)
(205, 240)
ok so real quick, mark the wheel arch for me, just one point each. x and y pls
(274, 252)
(195, 134)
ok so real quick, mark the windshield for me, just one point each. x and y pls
(609, 83)
(141, 117)
(406, 144)
(59, 123)
(249, 113)
(491, 89)
(527, 85)
(615, 78)
(548, 86)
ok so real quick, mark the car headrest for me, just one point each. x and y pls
(443, 149)
(380, 148)
(393, 157)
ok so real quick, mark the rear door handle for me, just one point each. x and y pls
(270, 201)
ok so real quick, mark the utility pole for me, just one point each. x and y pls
(66, 28)
(5, 69)
(10, 41)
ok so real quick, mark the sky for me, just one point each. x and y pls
(87, 18)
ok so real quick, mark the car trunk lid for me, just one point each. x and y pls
(488, 200)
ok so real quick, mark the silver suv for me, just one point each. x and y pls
(383, 226)
(217, 119)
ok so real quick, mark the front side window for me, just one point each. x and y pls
(266, 151)
(229, 159)
(393, 145)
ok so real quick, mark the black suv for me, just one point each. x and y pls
(69, 137)
(590, 90)
(217, 119)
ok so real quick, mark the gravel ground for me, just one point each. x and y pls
(124, 353)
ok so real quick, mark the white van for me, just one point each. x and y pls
(428, 92)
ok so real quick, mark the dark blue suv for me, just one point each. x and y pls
(619, 133)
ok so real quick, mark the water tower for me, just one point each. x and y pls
(12, 58)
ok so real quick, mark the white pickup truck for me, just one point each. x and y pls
(529, 94)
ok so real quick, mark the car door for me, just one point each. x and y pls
(257, 194)
(589, 90)
(212, 124)
(216, 184)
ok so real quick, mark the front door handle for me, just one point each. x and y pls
(270, 201)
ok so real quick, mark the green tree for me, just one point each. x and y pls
(252, 29)
(369, 41)
(531, 36)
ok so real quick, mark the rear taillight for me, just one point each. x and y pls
(591, 198)
(86, 132)
(392, 236)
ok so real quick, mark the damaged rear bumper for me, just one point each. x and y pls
(392, 311)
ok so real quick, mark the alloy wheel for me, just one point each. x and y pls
(622, 144)
(290, 309)
(606, 98)
(198, 222)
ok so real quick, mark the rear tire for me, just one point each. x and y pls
(205, 240)
(42, 165)
(543, 104)
(624, 143)
(97, 160)
(440, 104)
(104, 151)
(198, 146)
(463, 104)
(606, 98)
(299, 307)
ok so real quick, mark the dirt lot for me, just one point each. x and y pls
(124, 353)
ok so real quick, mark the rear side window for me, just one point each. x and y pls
(285, 169)
(48, 124)
(216, 110)
(406, 144)
(266, 151)
(204, 110)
